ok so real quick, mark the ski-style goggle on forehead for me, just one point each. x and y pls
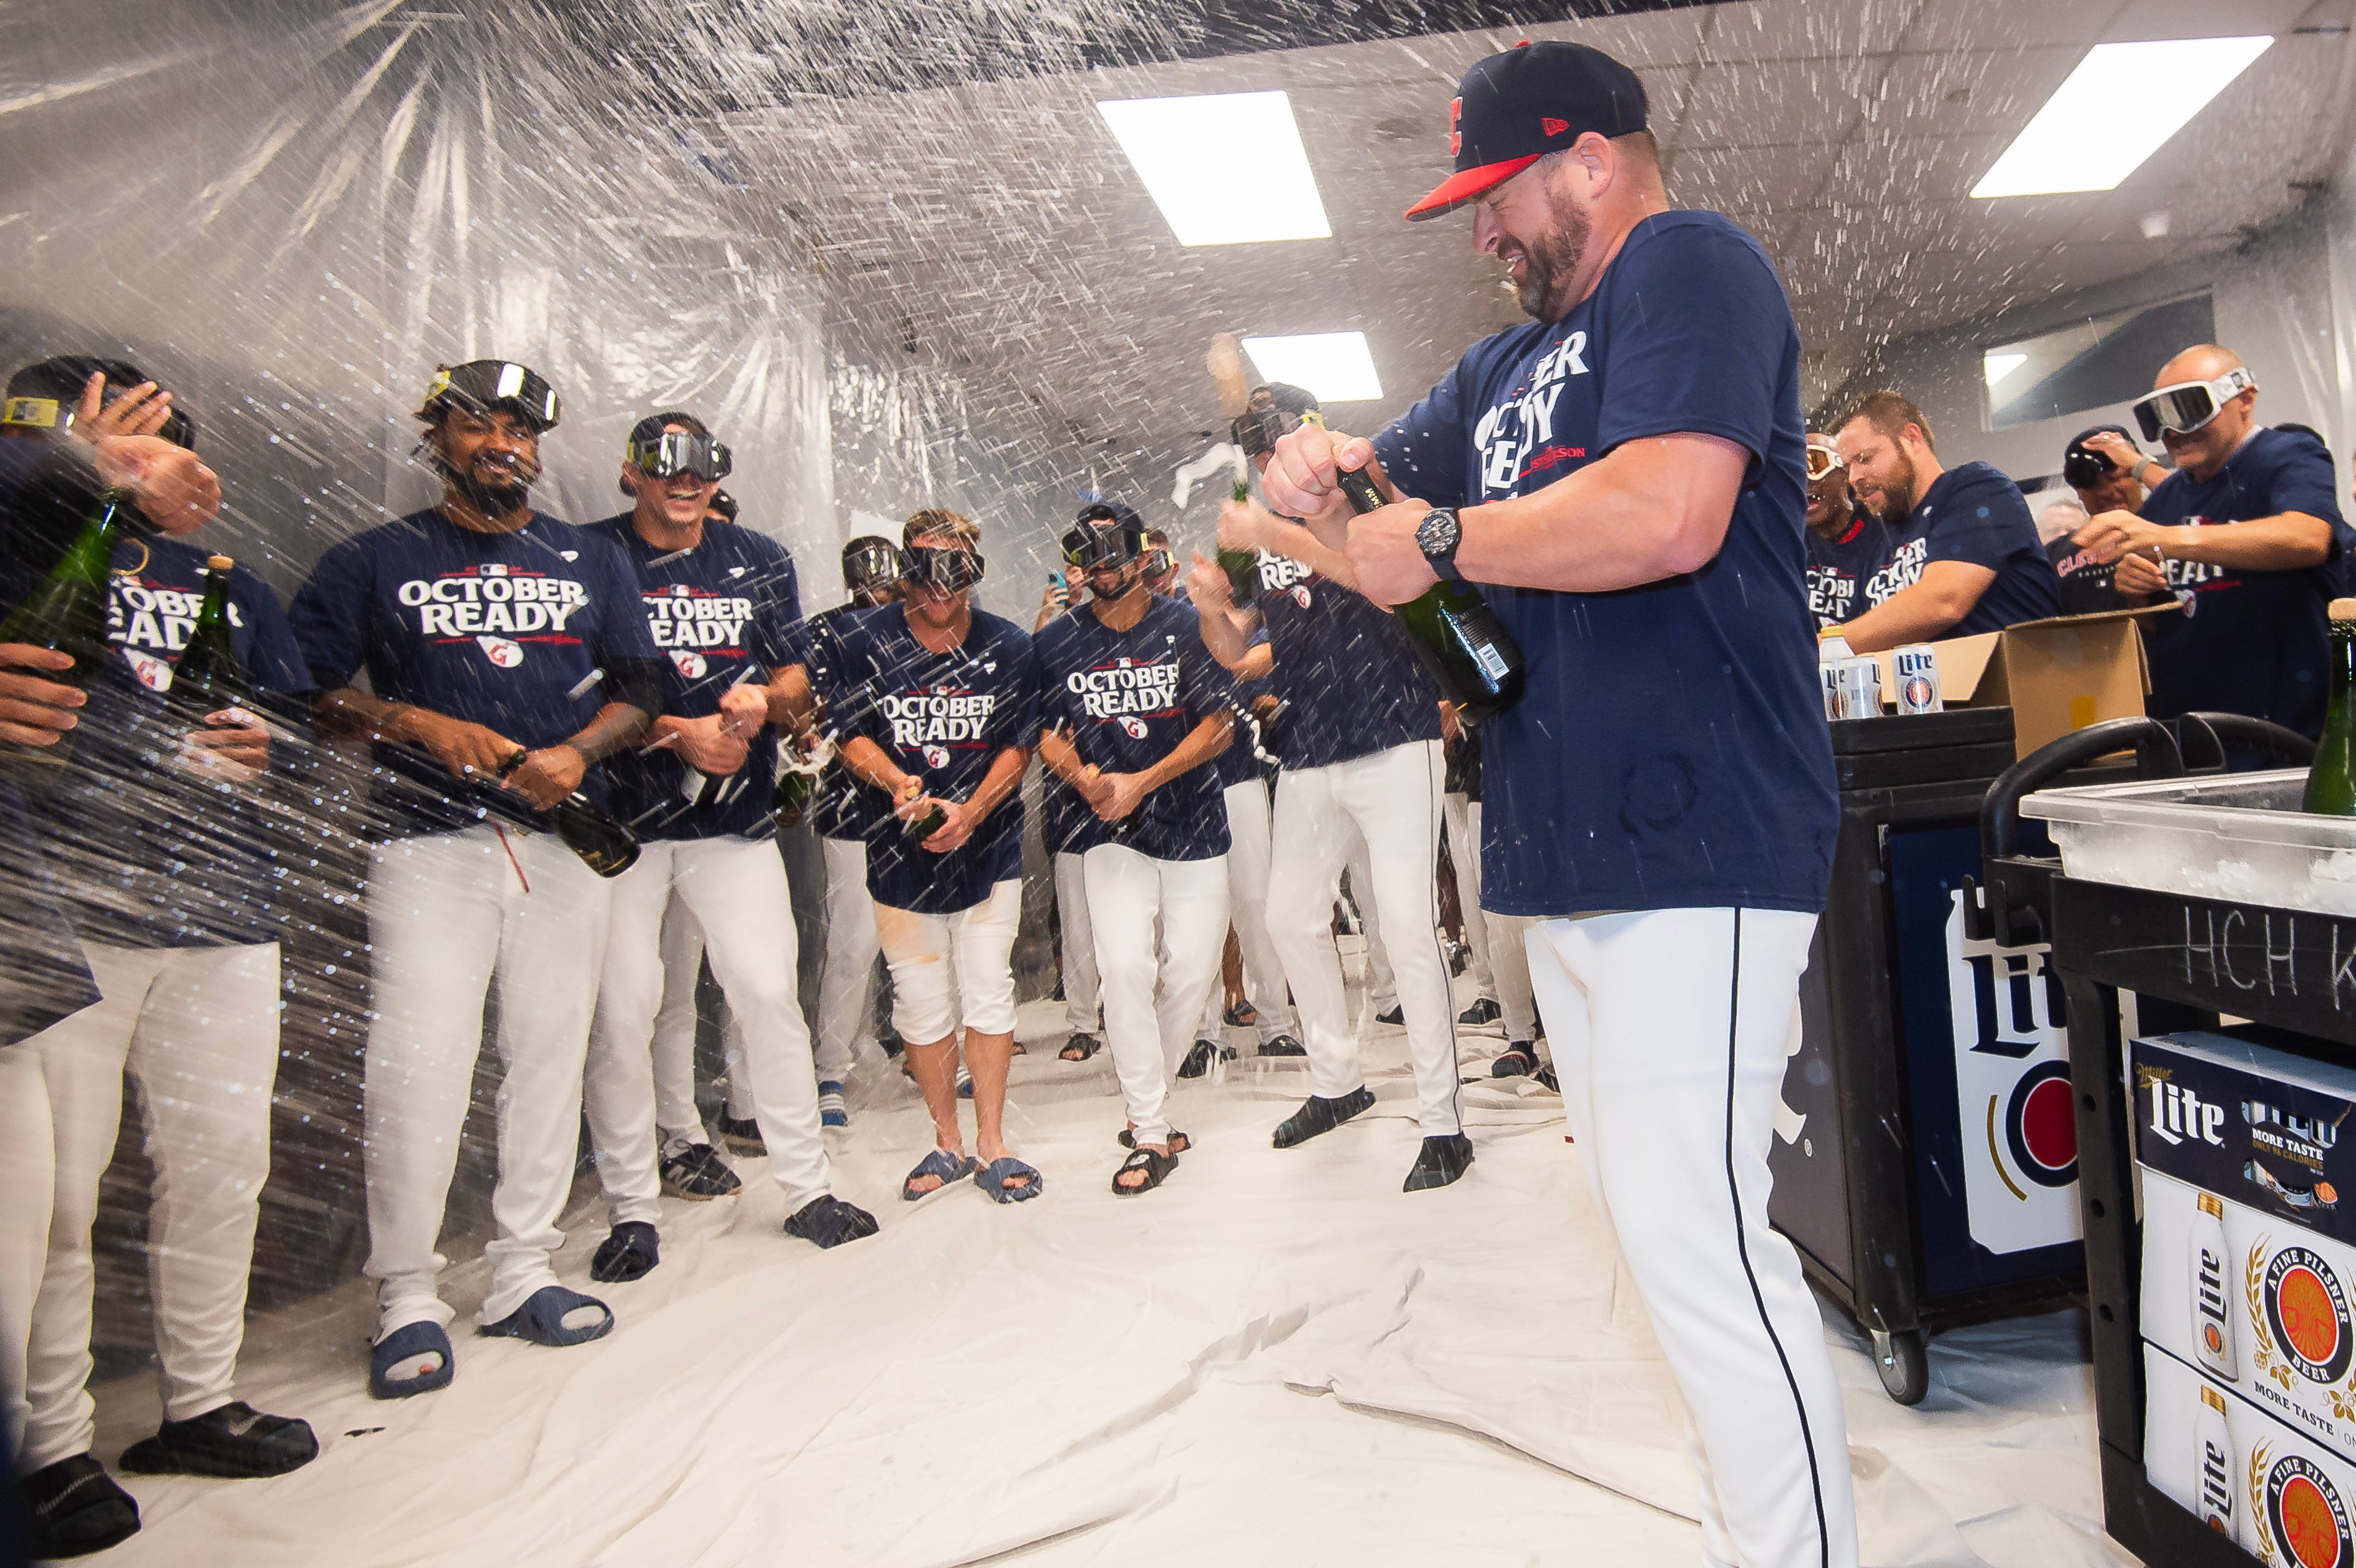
(1823, 461)
(2187, 405)
(944, 568)
(682, 452)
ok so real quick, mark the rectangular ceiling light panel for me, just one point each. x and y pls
(2118, 108)
(1336, 367)
(1225, 168)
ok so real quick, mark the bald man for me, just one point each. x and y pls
(2246, 534)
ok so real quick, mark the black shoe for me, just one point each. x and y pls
(1545, 1075)
(1441, 1161)
(889, 1038)
(1284, 1045)
(1517, 1060)
(1397, 1015)
(1198, 1061)
(1484, 1011)
(742, 1136)
(698, 1174)
(76, 1510)
(1319, 1115)
(235, 1441)
(830, 1221)
(631, 1253)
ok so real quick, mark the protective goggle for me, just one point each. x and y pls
(56, 416)
(870, 566)
(677, 452)
(2187, 406)
(2082, 470)
(482, 385)
(1159, 561)
(1823, 461)
(928, 566)
(1256, 431)
(1102, 539)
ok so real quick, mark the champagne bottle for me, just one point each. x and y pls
(924, 827)
(1242, 565)
(588, 829)
(1471, 657)
(67, 612)
(2332, 779)
(209, 676)
(796, 790)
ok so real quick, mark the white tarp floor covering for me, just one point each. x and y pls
(1278, 1357)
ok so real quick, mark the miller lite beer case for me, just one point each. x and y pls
(2286, 1499)
(2228, 1112)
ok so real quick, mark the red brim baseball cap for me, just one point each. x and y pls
(1514, 108)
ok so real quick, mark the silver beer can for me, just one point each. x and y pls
(1829, 675)
(1916, 669)
(1859, 689)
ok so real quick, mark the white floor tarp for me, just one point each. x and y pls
(1279, 1358)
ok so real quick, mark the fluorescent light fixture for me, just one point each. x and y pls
(2000, 365)
(2118, 108)
(1225, 168)
(1333, 366)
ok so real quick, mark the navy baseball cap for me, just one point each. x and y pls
(1514, 108)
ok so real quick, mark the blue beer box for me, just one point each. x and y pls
(2225, 1112)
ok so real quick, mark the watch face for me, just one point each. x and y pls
(1437, 534)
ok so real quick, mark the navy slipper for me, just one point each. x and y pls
(994, 1176)
(540, 1319)
(830, 1221)
(940, 1163)
(409, 1343)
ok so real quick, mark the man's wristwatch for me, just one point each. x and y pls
(1438, 536)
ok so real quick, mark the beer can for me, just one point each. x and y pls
(1828, 676)
(1915, 668)
(1860, 688)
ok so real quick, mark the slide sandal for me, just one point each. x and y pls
(941, 1163)
(993, 1179)
(408, 1343)
(1157, 1167)
(1179, 1142)
(540, 1319)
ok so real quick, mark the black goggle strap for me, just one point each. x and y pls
(682, 452)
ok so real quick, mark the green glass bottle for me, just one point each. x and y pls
(2332, 779)
(1242, 565)
(604, 845)
(209, 676)
(67, 612)
(924, 827)
(796, 790)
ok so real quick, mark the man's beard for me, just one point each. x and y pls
(491, 501)
(1551, 259)
(1897, 502)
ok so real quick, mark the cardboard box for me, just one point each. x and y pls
(2283, 1498)
(2056, 676)
(2225, 1110)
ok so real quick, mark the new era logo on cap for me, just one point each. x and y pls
(1512, 108)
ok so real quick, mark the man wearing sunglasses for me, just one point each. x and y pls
(940, 704)
(2246, 534)
(721, 604)
(1132, 708)
(1847, 543)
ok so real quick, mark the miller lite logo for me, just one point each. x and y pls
(501, 652)
(153, 673)
(937, 757)
(2299, 1517)
(2305, 1311)
(2012, 1093)
(1133, 726)
(690, 665)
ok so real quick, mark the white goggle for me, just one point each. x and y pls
(1823, 461)
(2187, 405)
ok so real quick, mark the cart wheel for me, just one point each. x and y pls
(1905, 1365)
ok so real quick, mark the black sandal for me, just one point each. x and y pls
(1179, 1142)
(1079, 1048)
(1157, 1168)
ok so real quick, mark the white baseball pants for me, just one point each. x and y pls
(1082, 990)
(736, 890)
(1500, 964)
(1392, 800)
(28, 1181)
(677, 1113)
(1248, 853)
(1669, 1029)
(953, 969)
(198, 1028)
(846, 990)
(1153, 991)
(1382, 986)
(447, 912)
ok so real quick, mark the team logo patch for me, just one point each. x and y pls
(2301, 1307)
(937, 757)
(153, 673)
(2041, 1128)
(1552, 126)
(2300, 1517)
(690, 665)
(1133, 728)
(501, 652)
(1300, 596)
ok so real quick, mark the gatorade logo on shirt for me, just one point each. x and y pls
(1516, 436)
(494, 600)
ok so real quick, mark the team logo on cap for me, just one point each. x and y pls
(501, 652)
(2296, 1303)
(690, 665)
(1552, 126)
(2041, 1128)
(2299, 1517)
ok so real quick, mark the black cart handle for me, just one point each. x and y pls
(2214, 731)
(2157, 756)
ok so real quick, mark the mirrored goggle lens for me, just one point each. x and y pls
(1823, 459)
(2084, 470)
(1159, 561)
(866, 567)
(2182, 410)
(483, 386)
(678, 452)
(1257, 431)
(950, 569)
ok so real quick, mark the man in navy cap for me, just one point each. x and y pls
(1625, 474)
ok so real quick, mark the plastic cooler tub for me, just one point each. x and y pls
(2241, 838)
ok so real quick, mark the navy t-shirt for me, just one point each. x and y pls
(1838, 568)
(2086, 587)
(1972, 513)
(1669, 750)
(1349, 677)
(720, 614)
(1127, 699)
(2249, 642)
(845, 808)
(942, 719)
(501, 630)
(1063, 815)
